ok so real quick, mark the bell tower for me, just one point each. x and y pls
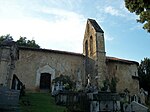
(94, 51)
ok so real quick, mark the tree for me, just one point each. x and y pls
(23, 42)
(144, 74)
(4, 37)
(142, 9)
(27, 43)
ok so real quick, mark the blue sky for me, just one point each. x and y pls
(60, 25)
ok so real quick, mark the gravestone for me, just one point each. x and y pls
(142, 96)
(104, 101)
(9, 99)
(136, 107)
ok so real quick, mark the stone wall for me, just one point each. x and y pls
(33, 62)
(8, 57)
(5, 60)
(124, 74)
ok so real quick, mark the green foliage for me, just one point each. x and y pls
(27, 43)
(141, 8)
(4, 37)
(69, 85)
(112, 84)
(144, 74)
(106, 84)
(23, 42)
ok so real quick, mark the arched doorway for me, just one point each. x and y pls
(45, 81)
(45, 70)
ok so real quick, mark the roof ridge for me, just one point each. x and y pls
(95, 25)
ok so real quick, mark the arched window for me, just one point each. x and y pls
(86, 48)
(91, 45)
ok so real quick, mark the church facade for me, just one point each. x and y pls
(37, 68)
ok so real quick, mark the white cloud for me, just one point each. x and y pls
(136, 27)
(53, 24)
(61, 13)
(108, 37)
(111, 10)
(65, 33)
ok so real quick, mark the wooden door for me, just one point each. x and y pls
(45, 81)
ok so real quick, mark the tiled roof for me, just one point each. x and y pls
(108, 59)
(95, 25)
(114, 59)
(50, 50)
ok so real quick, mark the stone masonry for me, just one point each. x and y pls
(93, 62)
(8, 57)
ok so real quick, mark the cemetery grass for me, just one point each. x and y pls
(39, 102)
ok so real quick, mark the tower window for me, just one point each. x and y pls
(116, 67)
(91, 45)
(86, 48)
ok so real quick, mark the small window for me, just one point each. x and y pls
(116, 67)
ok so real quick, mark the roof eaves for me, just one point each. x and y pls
(50, 50)
(114, 59)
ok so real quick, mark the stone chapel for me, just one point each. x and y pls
(37, 68)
